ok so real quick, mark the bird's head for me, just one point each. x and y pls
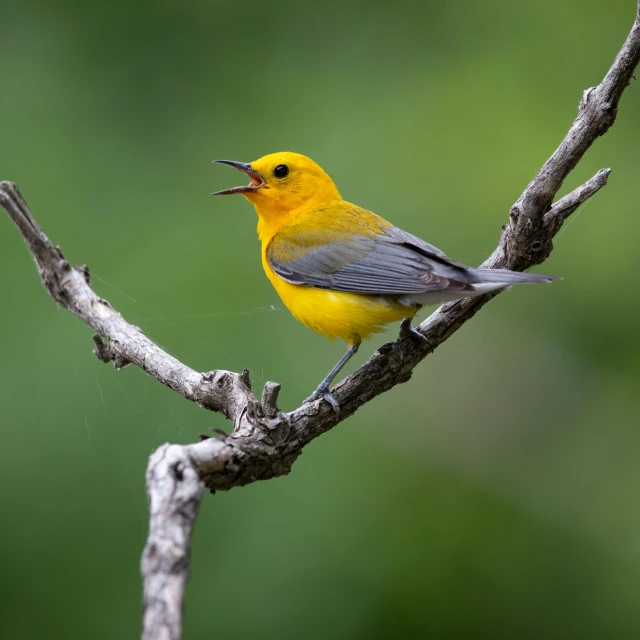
(283, 183)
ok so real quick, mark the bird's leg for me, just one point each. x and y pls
(323, 388)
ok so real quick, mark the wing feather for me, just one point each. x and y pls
(320, 251)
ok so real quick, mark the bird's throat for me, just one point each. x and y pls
(271, 220)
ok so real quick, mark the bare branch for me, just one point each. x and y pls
(564, 207)
(596, 114)
(221, 391)
(175, 493)
(265, 442)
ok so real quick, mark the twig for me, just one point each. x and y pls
(561, 210)
(265, 442)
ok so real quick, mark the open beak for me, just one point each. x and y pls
(256, 179)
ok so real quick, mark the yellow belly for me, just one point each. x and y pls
(349, 316)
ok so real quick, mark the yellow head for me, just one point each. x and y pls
(283, 184)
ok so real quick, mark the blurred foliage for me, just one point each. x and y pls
(491, 497)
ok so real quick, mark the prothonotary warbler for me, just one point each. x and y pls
(342, 270)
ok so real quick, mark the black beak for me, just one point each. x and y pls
(256, 179)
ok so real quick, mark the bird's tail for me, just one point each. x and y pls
(505, 276)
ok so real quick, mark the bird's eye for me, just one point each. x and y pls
(281, 171)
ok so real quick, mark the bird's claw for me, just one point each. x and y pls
(326, 395)
(406, 330)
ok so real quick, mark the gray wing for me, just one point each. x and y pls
(393, 262)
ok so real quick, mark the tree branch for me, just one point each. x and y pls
(265, 442)
(173, 505)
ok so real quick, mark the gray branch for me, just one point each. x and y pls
(265, 442)
(175, 492)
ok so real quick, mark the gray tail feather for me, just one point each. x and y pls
(481, 276)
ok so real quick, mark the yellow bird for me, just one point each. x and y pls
(340, 269)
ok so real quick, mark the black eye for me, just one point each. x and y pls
(281, 171)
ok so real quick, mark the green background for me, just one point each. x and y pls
(495, 495)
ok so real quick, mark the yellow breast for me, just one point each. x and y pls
(349, 316)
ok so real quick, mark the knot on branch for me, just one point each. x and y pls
(584, 101)
(525, 240)
(86, 274)
(107, 352)
(55, 276)
(535, 251)
(514, 216)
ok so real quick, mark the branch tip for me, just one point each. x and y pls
(563, 208)
(245, 378)
(270, 399)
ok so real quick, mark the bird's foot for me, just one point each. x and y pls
(323, 392)
(406, 330)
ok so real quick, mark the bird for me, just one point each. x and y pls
(341, 270)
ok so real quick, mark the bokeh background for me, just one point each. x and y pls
(495, 495)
